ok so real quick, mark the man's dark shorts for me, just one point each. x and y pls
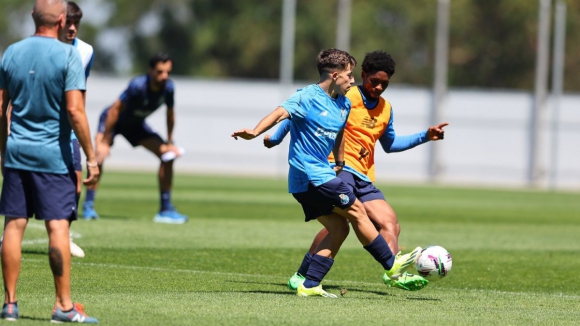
(363, 190)
(77, 155)
(134, 132)
(321, 200)
(46, 196)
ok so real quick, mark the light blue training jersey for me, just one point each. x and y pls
(37, 72)
(316, 119)
(87, 58)
(390, 141)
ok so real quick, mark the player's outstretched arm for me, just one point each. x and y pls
(276, 138)
(264, 125)
(436, 132)
(78, 119)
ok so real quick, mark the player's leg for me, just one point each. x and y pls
(59, 259)
(324, 255)
(298, 278)
(74, 248)
(11, 263)
(153, 142)
(89, 211)
(15, 204)
(384, 218)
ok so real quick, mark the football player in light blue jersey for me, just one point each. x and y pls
(74, 14)
(318, 114)
(43, 79)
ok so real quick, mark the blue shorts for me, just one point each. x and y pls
(47, 196)
(363, 190)
(134, 132)
(77, 155)
(321, 200)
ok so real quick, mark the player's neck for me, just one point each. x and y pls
(46, 31)
(329, 87)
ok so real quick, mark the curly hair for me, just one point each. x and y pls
(378, 61)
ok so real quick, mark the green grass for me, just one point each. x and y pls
(515, 258)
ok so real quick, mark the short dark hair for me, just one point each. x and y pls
(333, 59)
(73, 11)
(159, 57)
(378, 61)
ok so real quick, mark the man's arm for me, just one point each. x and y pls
(104, 147)
(279, 114)
(276, 138)
(170, 124)
(4, 101)
(78, 119)
(338, 152)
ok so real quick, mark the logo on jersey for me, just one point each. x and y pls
(369, 122)
(324, 113)
(343, 199)
(363, 153)
(325, 133)
(343, 114)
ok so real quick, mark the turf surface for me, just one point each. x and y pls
(515, 258)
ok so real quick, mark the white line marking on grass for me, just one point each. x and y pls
(193, 271)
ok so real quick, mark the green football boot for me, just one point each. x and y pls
(402, 263)
(295, 281)
(407, 282)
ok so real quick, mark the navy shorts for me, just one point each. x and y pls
(363, 190)
(321, 200)
(134, 132)
(46, 196)
(77, 155)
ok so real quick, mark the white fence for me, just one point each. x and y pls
(486, 142)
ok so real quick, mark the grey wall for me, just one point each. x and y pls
(486, 142)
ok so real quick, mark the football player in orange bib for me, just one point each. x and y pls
(370, 120)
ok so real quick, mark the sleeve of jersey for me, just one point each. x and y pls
(129, 93)
(281, 132)
(169, 91)
(75, 75)
(294, 105)
(392, 143)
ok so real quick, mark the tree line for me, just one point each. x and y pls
(492, 42)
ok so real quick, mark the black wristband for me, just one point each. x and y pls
(339, 163)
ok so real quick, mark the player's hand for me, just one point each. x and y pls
(92, 174)
(436, 132)
(174, 149)
(103, 150)
(246, 134)
(267, 142)
(337, 169)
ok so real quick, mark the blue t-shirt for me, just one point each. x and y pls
(316, 119)
(37, 72)
(140, 101)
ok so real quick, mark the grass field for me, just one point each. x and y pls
(515, 258)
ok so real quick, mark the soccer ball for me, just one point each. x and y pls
(434, 263)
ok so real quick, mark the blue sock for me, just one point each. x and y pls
(305, 263)
(381, 252)
(90, 195)
(319, 267)
(166, 200)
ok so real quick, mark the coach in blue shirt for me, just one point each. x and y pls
(43, 79)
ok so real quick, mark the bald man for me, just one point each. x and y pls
(43, 79)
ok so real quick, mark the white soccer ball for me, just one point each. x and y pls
(434, 263)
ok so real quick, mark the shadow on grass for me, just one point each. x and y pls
(267, 292)
(423, 299)
(34, 318)
(35, 251)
